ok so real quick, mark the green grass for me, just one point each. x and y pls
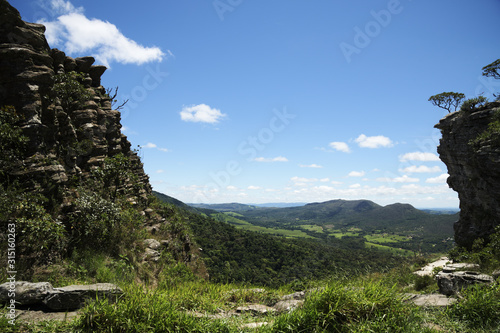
(389, 249)
(373, 303)
(339, 234)
(241, 224)
(385, 238)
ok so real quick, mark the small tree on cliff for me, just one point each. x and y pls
(493, 70)
(447, 100)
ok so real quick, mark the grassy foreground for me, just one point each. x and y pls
(372, 303)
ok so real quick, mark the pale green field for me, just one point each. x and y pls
(385, 238)
(390, 249)
(240, 224)
(312, 227)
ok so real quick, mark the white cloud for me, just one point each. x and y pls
(355, 186)
(314, 166)
(419, 156)
(303, 180)
(441, 179)
(356, 174)
(421, 169)
(340, 146)
(160, 171)
(324, 180)
(251, 187)
(149, 145)
(75, 34)
(61, 7)
(402, 179)
(374, 141)
(275, 159)
(231, 188)
(201, 113)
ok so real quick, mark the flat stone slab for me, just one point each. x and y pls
(37, 315)
(75, 296)
(257, 309)
(25, 293)
(437, 300)
(288, 305)
(428, 269)
(296, 296)
(254, 325)
(459, 266)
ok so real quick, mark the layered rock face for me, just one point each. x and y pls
(66, 140)
(474, 168)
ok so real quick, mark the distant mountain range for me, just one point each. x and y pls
(410, 228)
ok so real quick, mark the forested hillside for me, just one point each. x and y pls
(392, 227)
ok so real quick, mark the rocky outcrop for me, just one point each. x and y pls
(452, 283)
(67, 140)
(56, 299)
(474, 169)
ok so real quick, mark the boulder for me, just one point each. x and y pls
(295, 296)
(26, 293)
(75, 296)
(83, 64)
(288, 305)
(95, 73)
(452, 283)
(256, 309)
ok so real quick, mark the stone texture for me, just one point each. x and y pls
(75, 296)
(288, 305)
(57, 299)
(256, 309)
(63, 143)
(452, 283)
(474, 172)
(26, 293)
(435, 300)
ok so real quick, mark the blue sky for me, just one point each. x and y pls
(286, 100)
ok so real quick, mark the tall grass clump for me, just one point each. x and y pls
(363, 306)
(142, 310)
(479, 308)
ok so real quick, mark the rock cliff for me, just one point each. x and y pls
(473, 161)
(68, 138)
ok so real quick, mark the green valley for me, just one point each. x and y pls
(398, 228)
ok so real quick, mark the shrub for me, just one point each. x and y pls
(70, 91)
(12, 142)
(102, 225)
(472, 104)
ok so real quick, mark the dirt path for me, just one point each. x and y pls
(427, 270)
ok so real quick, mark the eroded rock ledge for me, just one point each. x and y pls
(64, 143)
(474, 169)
